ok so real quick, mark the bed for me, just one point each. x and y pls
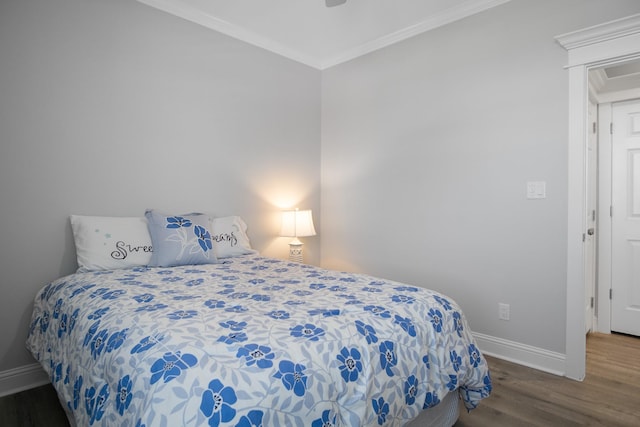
(249, 341)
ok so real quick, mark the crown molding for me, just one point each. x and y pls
(445, 17)
(197, 16)
(441, 19)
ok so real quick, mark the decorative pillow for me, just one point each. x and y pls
(180, 239)
(230, 237)
(108, 243)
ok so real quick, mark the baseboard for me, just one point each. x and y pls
(522, 354)
(22, 378)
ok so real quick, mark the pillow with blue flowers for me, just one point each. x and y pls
(180, 239)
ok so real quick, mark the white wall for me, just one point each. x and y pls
(112, 107)
(427, 146)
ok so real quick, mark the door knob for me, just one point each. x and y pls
(590, 231)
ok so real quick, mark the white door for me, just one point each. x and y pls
(625, 246)
(590, 234)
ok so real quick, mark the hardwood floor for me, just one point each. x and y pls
(609, 396)
(38, 407)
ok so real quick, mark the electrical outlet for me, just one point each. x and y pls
(503, 311)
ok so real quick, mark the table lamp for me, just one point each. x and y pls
(297, 223)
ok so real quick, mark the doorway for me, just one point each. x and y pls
(595, 47)
(618, 294)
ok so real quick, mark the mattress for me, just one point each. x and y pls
(252, 341)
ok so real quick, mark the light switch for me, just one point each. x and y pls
(536, 190)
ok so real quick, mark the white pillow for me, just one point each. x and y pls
(229, 236)
(109, 243)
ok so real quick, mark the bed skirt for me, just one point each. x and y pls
(443, 415)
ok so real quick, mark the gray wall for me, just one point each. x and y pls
(427, 146)
(111, 107)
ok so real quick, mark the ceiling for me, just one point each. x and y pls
(309, 32)
(617, 79)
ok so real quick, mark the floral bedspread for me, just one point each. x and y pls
(248, 342)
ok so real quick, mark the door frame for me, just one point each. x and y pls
(604, 218)
(606, 44)
(592, 200)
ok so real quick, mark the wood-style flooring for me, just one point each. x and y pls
(609, 396)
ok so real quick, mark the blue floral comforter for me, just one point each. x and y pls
(252, 341)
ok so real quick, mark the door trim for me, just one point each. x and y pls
(604, 218)
(604, 44)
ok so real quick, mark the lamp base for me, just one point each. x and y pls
(295, 251)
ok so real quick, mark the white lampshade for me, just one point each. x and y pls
(297, 224)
